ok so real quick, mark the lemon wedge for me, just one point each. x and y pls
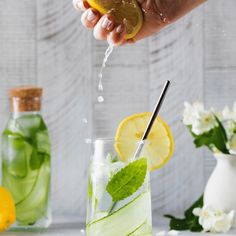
(159, 146)
(126, 11)
(7, 210)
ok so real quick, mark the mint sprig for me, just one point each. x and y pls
(128, 180)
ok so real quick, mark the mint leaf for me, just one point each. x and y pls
(190, 222)
(128, 180)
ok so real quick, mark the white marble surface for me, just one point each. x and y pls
(75, 230)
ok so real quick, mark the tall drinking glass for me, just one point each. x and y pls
(119, 201)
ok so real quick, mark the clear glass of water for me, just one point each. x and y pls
(119, 201)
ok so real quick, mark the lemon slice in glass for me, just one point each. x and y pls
(159, 146)
(126, 11)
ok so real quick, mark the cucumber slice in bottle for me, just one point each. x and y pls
(16, 154)
(19, 188)
(42, 142)
(123, 221)
(29, 124)
(34, 206)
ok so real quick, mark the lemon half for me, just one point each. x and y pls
(7, 209)
(159, 146)
(126, 11)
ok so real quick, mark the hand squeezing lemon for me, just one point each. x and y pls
(124, 11)
(159, 145)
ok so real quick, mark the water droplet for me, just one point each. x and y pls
(100, 85)
(85, 121)
(101, 99)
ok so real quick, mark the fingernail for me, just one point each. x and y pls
(76, 4)
(81, 5)
(120, 29)
(91, 15)
(107, 23)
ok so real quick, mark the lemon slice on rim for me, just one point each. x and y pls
(159, 146)
(127, 11)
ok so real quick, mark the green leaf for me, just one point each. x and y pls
(177, 224)
(216, 137)
(198, 204)
(205, 139)
(128, 180)
(190, 222)
(222, 129)
(220, 138)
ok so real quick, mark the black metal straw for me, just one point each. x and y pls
(149, 127)
(152, 119)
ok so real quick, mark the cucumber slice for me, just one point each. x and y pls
(34, 206)
(19, 188)
(43, 142)
(143, 230)
(29, 124)
(123, 221)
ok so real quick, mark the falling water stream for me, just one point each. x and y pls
(108, 52)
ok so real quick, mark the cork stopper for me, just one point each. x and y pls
(25, 99)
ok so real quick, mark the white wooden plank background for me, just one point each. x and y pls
(42, 42)
(220, 59)
(177, 54)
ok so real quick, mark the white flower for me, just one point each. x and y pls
(206, 216)
(228, 114)
(205, 122)
(161, 233)
(173, 233)
(190, 114)
(231, 145)
(223, 222)
(170, 233)
(201, 120)
(214, 221)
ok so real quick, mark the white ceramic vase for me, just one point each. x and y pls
(220, 192)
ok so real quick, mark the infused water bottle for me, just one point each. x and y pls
(26, 159)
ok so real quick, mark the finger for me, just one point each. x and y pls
(117, 36)
(131, 41)
(104, 26)
(90, 18)
(81, 5)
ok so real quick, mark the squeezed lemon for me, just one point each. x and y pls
(124, 11)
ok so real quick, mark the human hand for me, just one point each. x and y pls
(157, 14)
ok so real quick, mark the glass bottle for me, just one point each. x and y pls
(26, 159)
(130, 212)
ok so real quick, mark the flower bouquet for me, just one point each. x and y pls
(215, 210)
